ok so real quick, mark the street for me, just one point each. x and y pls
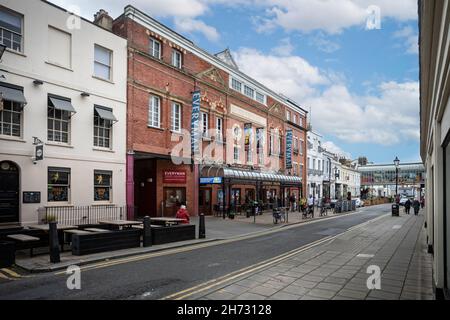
(160, 275)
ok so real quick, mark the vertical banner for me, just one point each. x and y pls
(195, 123)
(247, 135)
(259, 140)
(288, 149)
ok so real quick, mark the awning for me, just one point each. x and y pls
(249, 176)
(105, 113)
(61, 104)
(12, 94)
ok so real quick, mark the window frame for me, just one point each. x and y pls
(19, 111)
(110, 186)
(173, 117)
(61, 120)
(205, 124)
(152, 48)
(104, 127)
(174, 61)
(151, 112)
(219, 129)
(248, 88)
(21, 35)
(110, 67)
(68, 185)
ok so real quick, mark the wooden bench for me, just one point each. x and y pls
(176, 233)
(94, 242)
(23, 238)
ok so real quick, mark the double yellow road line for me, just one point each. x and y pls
(9, 274)
(216, 283)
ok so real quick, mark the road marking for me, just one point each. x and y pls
(365, 255)
(11, 273)
(396, 227)
(105, 264)
(261, 265)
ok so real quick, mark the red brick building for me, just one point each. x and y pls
(243, 127)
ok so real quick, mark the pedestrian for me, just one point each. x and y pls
(182, 213)
(422, 202)
(416, 206)
(407, 206)
(311, 205)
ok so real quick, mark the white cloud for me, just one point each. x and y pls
(193, 25)
(333, 148)
(285, 48)
(388, 115)
(410, 38)
(324, 44)
(331, 16)
(291, 75)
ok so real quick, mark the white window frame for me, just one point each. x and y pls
(294, 118)
(219, 129)
(236, 154)
(102, 124)
(248, 89)
(261, 98)
(59, 120)
(102, 64)
(288, 115)
(13, 33)
(177, 59)
(175, 116)
(152, 109)
(205, 124)
(13, 108)
(152, 50)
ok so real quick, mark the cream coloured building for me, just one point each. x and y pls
(63, 86)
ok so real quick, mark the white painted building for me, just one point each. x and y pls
(63, 81)
(315, 165)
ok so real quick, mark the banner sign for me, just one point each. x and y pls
(288, 149)
(195, 123)
(174, 176)
(247, 135)
(259, 140)
(39, 152)
(211, 180)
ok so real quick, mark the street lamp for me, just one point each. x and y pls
(336, 176)
(396, 163)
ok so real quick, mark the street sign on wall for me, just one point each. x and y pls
(195, 123)
(174, 176)
(288, 149)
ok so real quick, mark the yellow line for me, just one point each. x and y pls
(11, 273)
(229, 277)
(105, 264)
(4, 277)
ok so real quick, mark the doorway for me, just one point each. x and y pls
(173, 198)
(204, 201)
(9, 192)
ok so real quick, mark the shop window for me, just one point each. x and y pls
(102, 185)
(58, 184)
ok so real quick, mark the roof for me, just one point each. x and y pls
(226, 57)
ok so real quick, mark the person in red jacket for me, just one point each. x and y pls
(182, 213)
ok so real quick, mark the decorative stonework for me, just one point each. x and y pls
(212, 74)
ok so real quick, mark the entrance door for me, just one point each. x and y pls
(173, 198)
(9, 192)
(204, 201)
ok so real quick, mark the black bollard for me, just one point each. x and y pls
(147, 237)
(201, 227)
(54, 242)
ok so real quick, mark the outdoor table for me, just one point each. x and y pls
(120, 223)
(59, 227)
(166, 221)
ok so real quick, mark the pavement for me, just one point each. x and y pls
(217, 228)
(337, 269)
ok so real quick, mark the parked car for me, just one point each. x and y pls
(403, 201)
(359, 202)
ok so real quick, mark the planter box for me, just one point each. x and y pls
(180, 232)
(105, 241)
(7, 254)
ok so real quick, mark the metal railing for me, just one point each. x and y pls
(80, 215)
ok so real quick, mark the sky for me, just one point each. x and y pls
(352, 63)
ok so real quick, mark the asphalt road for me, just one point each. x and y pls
(157, 277)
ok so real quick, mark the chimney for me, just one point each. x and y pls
(103, 19)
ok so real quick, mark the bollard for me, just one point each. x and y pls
(54, 242)
(147, 236)
(201, 227)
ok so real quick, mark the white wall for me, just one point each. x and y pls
(80, 154)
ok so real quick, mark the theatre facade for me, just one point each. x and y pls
(201, 131)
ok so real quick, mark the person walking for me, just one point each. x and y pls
(311, 205)
(407, 206)
(416, 206)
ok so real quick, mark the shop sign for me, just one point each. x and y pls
(211, 180)
(174, 176)
(288, 149)
(195, 123)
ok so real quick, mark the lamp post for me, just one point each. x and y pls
(396, 163)
(336, 176)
